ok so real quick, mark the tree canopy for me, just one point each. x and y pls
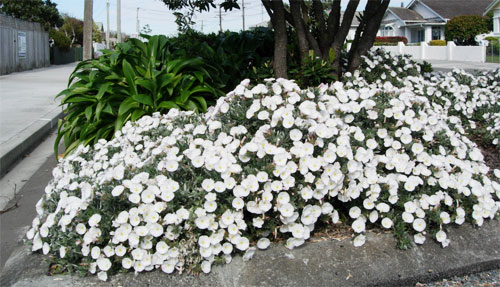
(41, 11)
(463, 29)
(324, 31)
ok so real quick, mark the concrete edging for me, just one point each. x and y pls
(25, 141)
(324, 263)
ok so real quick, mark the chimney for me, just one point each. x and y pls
(402, 4)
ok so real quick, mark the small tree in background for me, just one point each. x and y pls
(96, 33)
(463, 29)
(44, 12)
(73, 28)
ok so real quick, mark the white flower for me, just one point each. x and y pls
(103, 263)
(168, 266)
(387, 223)
(373, 216)
(238, 203)
(242, 243)
(419, 224)
(496, 172)
(286, 209)
(419, 238)
(118, 172)
(445, 217)
(103, 276)
(94, 220)
(407, 217)
(358, 225)
(295, 134)
(263, 243)
(127, 263)
(359, 240)
(249, 254)
(171, 165)
(208, 184)
(206, 266)
(117, 190)
(120, 250)
(80, 228)
(95, 252)
(440, 236)
(354, 212)
(227, 248)
(210, 206)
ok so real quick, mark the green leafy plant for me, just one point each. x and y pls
(137, 78)
(437, 43)
(314, 70)
(463, 29)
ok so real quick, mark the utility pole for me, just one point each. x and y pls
(243, 12)
(137, 22)
(87, 30)
(119, 20)
(220, 19)
(107, 24)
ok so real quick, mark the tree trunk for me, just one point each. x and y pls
(340, 35)
(374, 13)
(295, 10)
(280, 39)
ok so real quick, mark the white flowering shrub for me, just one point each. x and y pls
(180, 192)
(473, 98)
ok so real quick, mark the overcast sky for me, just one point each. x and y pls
(161, 20)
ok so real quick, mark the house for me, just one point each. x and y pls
(495, 8)
(424, 20)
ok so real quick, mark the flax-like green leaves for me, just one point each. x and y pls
(135, 79)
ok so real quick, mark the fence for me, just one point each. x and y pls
(493, 52)
(451, 52)
(70, 55)
(23, 45)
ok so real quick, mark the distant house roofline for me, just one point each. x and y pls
(488, 9)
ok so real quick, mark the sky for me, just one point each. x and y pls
(161, 20)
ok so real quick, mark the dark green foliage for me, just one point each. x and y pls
(136, 79)
(463, 29)
(41, 11)
(234, 55)
(313, 71)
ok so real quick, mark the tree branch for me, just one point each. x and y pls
(333, 21)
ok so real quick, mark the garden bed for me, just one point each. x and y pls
(388, 147)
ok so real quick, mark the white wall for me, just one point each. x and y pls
(450, 52)
(436, 53)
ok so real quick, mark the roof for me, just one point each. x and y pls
(491, 6)
(406, 14)
(355, 21)
(451, 8)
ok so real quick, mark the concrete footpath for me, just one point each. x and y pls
(28, 112)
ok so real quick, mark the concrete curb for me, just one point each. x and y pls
(25, 141)
(323, 263)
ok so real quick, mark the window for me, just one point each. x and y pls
(436, 33)
(420, 36)
(388, 31)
